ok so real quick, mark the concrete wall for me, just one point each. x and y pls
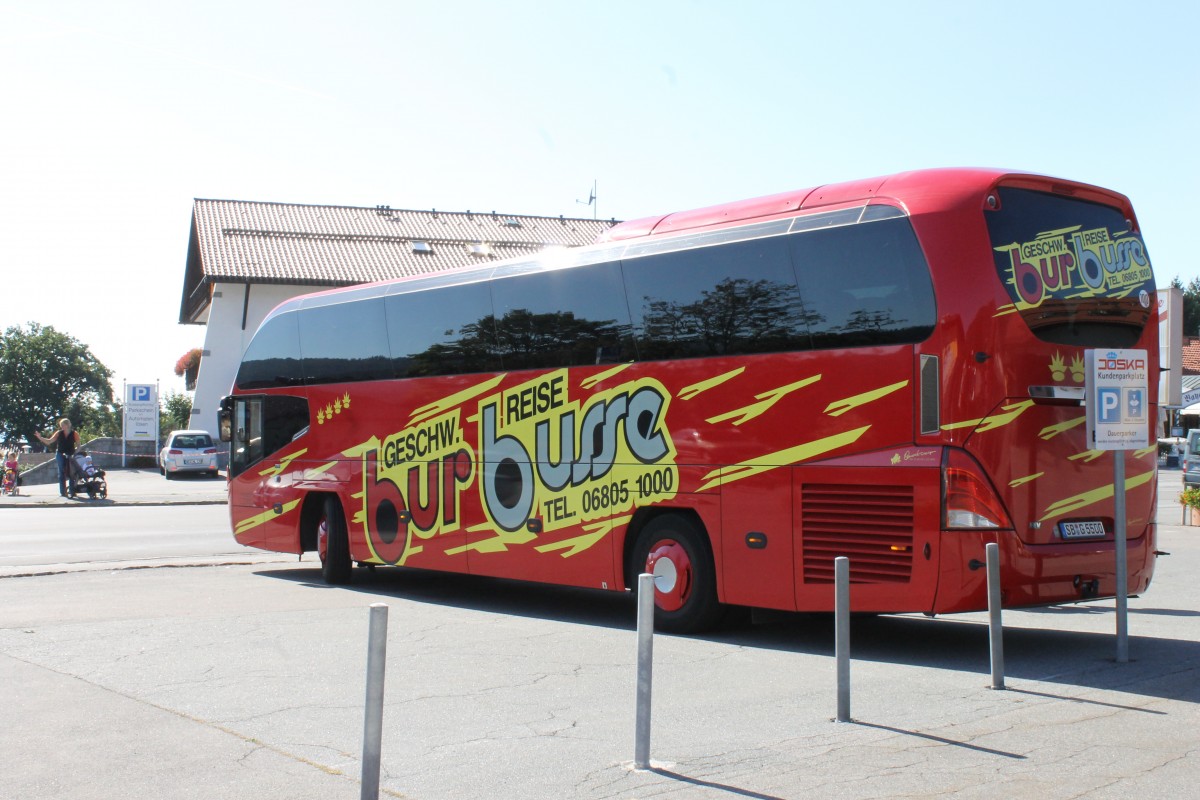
(105, 453)
(225, 339)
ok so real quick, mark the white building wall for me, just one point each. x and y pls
(225, 341)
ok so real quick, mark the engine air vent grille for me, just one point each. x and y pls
(870, 525)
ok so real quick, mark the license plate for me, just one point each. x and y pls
(1081, 530)
(193, 461)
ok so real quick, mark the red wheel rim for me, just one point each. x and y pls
(673, 574)
(323, 538)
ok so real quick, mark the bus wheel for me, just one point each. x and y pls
(333, 545)
(685, 583)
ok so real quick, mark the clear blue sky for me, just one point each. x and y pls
(115, 115)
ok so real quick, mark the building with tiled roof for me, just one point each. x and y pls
(1191, 355)
(245, 257)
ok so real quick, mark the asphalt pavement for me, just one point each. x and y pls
(246, 680)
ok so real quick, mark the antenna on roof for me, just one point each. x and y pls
(591, 201)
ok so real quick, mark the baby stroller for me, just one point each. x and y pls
(85, 477)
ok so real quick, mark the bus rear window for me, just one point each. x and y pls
(1074, 270)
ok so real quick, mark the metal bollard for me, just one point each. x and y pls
(841, 593)
(645, 669)
(373, 715)
(995, 625)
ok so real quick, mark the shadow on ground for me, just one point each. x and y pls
(1046, 653)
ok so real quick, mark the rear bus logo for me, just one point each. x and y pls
(1076, 261)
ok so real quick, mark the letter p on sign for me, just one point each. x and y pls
(1110, 405)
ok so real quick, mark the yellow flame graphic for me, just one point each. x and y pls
(1050, 431)
(782, 458)
(993, 421)
(259, 519)
(284, 463)
(766, 400)
(688, 392)
(1076, 502)
(588, 383)
(1027, 479)
(851, 403)
(499, 543)
(447, 403)
(594, 532)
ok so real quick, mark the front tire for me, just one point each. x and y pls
(675, 551)
(333, 544)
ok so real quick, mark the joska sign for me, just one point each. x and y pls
(1117, 399)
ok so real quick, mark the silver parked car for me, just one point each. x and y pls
(188, 451)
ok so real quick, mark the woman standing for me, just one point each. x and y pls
(64, 440)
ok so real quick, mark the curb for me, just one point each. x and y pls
(247, 559)
(26, 501)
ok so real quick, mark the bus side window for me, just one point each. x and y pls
(344, 342)
(273, 357)
(451, 335)
(864, 285)
(730, 299)
(562, 318)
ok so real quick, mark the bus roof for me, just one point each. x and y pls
(916, 191)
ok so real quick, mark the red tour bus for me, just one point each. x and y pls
(729, 398)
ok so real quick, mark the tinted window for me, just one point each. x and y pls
(443, 332)
(1074, 270)
(864, 285)
(345, 342)
(273, 357)
(566, 317)
(715, 301)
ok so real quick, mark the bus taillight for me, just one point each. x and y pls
(968, 500)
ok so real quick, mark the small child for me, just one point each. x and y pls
(12, 472)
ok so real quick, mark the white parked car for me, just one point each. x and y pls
(188, 451)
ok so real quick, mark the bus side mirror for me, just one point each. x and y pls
(225, 420)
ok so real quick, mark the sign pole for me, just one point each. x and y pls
(124, 420)
(1117, 393)
(1122, 567)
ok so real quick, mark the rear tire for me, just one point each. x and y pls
(333, 544)
(674, 549)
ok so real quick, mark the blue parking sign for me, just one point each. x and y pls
(1108, 405)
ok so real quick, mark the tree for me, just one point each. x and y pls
(93, 421)
(177, 410)
(1191, 305)
(44, 374)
